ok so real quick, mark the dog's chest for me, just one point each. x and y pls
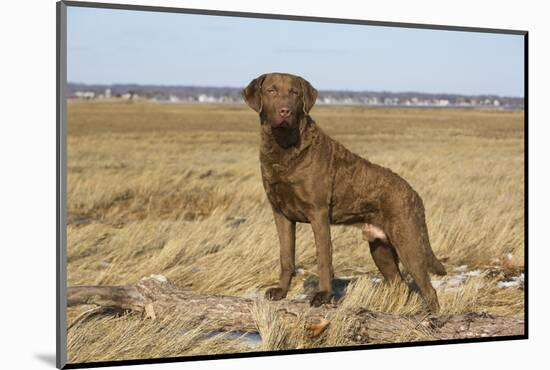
(284, 190)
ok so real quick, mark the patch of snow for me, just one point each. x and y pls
(515, 282)
(251, 339)
(461, 268)
(472, 273)
(507, 284)
(455, 280)
(438, 283)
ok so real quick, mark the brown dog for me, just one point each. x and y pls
(309, 177)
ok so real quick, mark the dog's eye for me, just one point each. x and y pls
(294, 92)
(271, 91)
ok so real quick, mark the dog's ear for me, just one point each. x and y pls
(309, 95)
(252, 93)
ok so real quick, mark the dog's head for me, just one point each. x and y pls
(281, 99)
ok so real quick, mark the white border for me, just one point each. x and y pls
(28, 181)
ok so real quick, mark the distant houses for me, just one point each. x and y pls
(407, 102)
(203, 98)
(86, 95)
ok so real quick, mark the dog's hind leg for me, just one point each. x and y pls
(422, 279)
(408, 242)
(385, 258)
(383, 253)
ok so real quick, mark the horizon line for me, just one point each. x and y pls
(320, 90)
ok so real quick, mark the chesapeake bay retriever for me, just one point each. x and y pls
(309, 177)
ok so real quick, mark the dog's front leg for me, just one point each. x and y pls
(286, 230)
(321, 230)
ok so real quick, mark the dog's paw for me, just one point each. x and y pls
(320, 298)
(275, 294)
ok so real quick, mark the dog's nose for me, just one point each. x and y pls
(284, 112)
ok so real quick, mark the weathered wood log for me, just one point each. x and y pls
(156, 296)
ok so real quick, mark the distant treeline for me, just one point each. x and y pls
(232, 94)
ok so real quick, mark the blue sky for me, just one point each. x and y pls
(121, 46)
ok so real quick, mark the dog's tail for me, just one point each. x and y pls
(436, 267)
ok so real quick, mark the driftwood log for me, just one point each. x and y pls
(155, 296)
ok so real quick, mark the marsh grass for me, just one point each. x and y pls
(176, 190)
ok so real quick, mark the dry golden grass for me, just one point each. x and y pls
(176, 190)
